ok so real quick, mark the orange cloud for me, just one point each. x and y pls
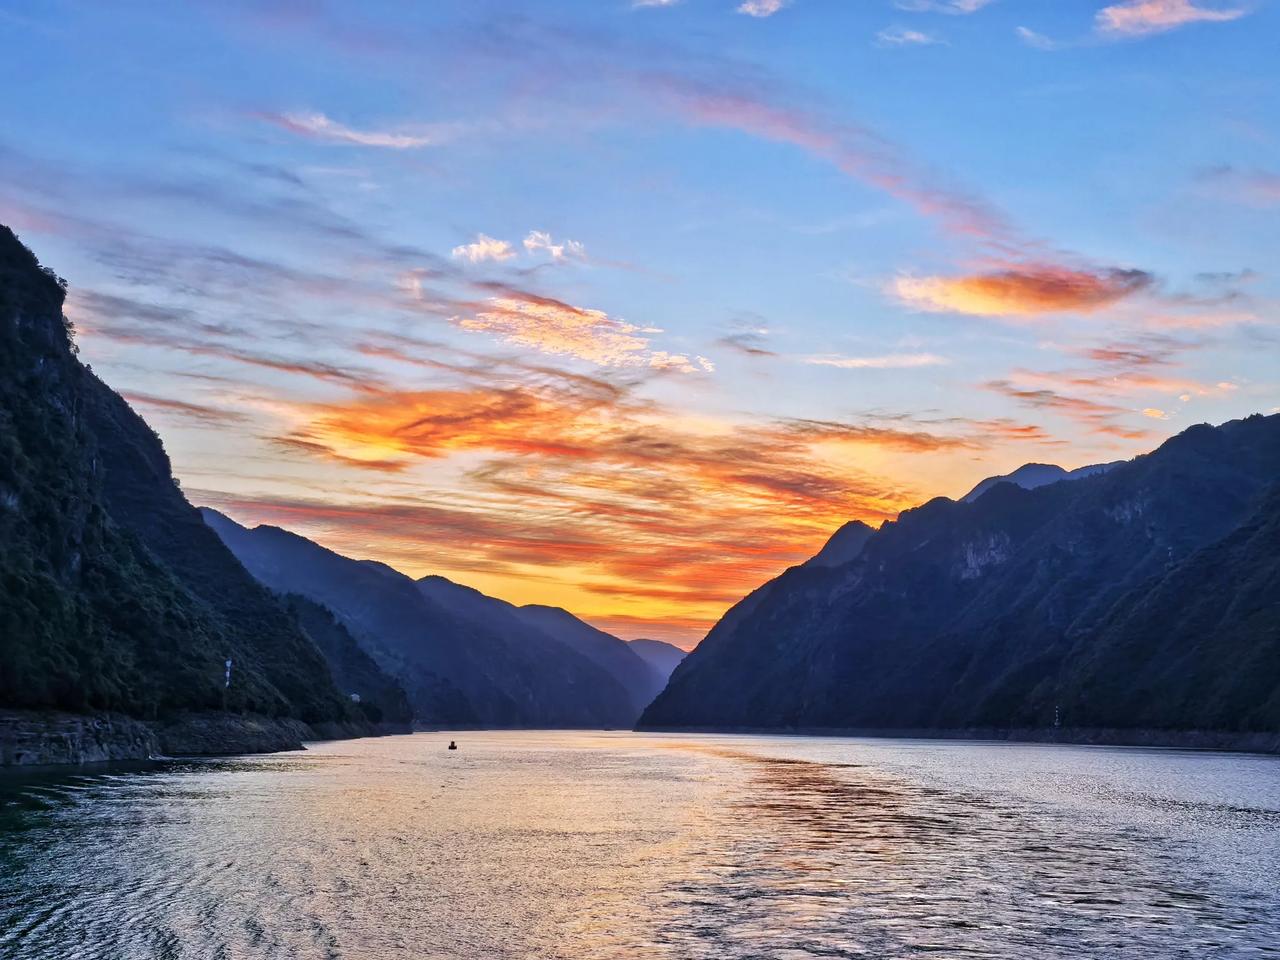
(1138, 18)
(1022, 291)
(627, 501)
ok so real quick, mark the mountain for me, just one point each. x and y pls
(559, 641)
(465, 659)
(1029, 476)
(1206, 634)
(115, 596)
(845, 544)
(661, 656)
(357, 675)
(1142, 596)
(614, 656)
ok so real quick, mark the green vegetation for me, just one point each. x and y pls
(113, 593)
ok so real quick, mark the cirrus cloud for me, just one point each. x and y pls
(904, 37)
(891, 361)
(554, 327)
(320, 127)
(941, 6)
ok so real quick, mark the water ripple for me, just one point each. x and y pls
(544, 845)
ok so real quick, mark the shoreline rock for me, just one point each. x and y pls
(30, 738)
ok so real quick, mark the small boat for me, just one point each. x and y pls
(453, 745)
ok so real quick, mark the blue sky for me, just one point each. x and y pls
(626, 307)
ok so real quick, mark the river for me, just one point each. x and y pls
(584, 845)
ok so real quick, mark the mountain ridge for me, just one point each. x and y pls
(1029, 476)
(466, 659)
(114, 599)
(962, 615)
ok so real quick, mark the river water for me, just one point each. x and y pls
(585, 845)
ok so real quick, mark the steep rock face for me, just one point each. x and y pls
(112, 596)
(978, 614)
(141, 495)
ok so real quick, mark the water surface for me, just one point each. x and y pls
(585, 845)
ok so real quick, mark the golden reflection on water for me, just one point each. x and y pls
(580, 845)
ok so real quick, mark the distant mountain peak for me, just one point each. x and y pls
(661, 656)
(844, 545)
(1029, 476)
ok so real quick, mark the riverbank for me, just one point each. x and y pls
(38, 738)
(1222, 740)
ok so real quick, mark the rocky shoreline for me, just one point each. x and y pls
(1216, 740)
(39, 738)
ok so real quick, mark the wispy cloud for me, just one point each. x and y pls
(185, 409)
(568, 249)
(554, 327)
(750, 343)
(1139, 18)
(890, 361)
(905, 37)
(761, 8)
(1255, 188)
(653, 3)
(1095, 416)
(1038, 40)
(1022, 290)
(320, 127)
(1132, 19)
(484, 248)
(856, 151)
(942, 6)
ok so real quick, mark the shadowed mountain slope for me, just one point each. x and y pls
(845, 544)
(988, 614)
(661, 656)
(465, 659)
(113, 593)
(641, 681)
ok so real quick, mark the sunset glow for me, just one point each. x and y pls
(627, 306)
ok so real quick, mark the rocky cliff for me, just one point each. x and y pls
(1144, 596)
(115, 598)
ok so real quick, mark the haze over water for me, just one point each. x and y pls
(583, 845)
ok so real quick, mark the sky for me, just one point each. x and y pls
(627, 306)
